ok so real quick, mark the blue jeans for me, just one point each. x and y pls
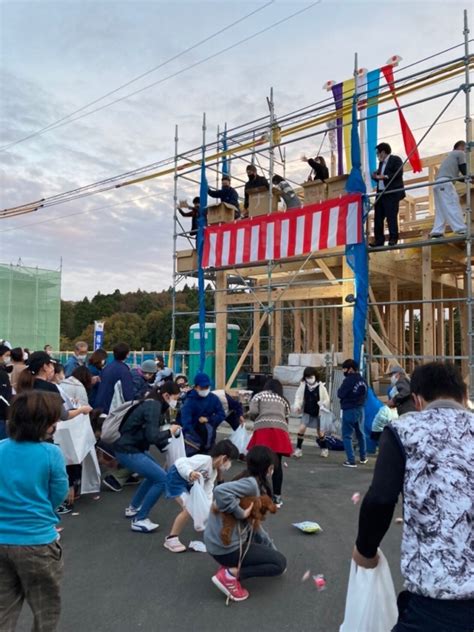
(422, 614)
(353, 420)
(3, 429)
(154, 482)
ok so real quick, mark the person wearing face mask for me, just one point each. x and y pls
(140, 429)
(143, 378)
(400, 393)
(200, 416)
(352, 394)
(254, 181)
(427, 456)
(261, 557)
(227, 194)
(182, 476)
(309, 398)
(78, 358)
(390, 191)
(5, 387)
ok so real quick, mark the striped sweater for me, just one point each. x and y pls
(269, 410)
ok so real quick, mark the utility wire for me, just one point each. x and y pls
(173, 75)
(56, 123)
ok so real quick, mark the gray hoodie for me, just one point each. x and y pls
(227, 497)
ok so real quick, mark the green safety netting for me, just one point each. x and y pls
(30, 305)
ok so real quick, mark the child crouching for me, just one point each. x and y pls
(185, 472)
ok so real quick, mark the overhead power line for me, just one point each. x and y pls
(71, 118)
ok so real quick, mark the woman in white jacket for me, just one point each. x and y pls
(311, 397)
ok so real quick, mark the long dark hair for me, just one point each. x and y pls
(31, 414)
(275, 386)
(26, 380)
(259, 459)
(84, 376)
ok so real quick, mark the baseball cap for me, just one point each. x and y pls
(396, 368)
(38, 359)
(148, 366)
(202, 379)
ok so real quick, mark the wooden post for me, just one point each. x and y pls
(256, 346)
(451, 331)
(277, 333)
(324, 342)
(347, 287)
(427, 307)
(464, 339)
(412, 338)
(316, 320)
(245, 352)
(221, 328)
(307, 328)
(335, 328)
(393, 315)
(297, 322)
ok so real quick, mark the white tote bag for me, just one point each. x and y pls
(90, 475)
(76, 438)
(198, 505)
(327, 421)
(371, 603)
(240, 438)
(175, 450)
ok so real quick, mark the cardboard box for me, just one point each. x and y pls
(314, 192)
(186, 261)
(220, 213)
(259, 202)
(336, 186)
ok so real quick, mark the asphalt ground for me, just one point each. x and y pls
(118, 580)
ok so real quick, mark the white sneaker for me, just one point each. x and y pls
(174, 545)
(324, 453)
(131, 512)
(145, 526)
(298, 453)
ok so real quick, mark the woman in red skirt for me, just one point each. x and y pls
(271, 410)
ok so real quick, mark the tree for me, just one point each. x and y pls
(124, 328)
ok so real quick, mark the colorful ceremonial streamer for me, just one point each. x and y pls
(408, 138)
(348, 92)
(373, 85)
(225, 158)
(200, 250)
(337, 94)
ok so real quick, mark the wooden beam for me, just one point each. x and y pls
(322, 265)
(393, 314)
(427, 307)
(316, 321)
(245, 352)
(347, 287)
(297, 328)
(221, 328)
(286, 294)
(256, 346)
(377, 313)
(379, 342)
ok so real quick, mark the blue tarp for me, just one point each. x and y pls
(200, 249)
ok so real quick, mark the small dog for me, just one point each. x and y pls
(261, 505)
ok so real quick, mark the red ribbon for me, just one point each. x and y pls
(408, 138)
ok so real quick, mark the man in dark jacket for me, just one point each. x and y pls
(5, 388)
(353, 393)
(116, 371)
(390, 190)
(400, 393)
(201, 414)
(226, 194)
(254, 181)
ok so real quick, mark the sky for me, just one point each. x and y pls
(56, 57)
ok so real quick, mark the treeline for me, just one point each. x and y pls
(143, 319)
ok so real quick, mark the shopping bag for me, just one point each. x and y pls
(240, 438)
(76, 438)
(371, 604)
(326, 421)
(175, 450)
(117, 399)
(198, 504)
(90, 475)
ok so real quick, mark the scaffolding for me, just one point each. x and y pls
(30, 306)
(420, 296)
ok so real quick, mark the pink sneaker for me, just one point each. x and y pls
(230, 586)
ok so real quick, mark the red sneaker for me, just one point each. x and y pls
(229, 586)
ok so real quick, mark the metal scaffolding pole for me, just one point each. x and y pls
(175, 239)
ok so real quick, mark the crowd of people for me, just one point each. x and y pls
(424, 452)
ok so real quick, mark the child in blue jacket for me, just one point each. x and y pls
(352, 394)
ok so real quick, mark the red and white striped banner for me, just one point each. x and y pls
(285, 234)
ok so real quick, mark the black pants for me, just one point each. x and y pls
(422, 614)
(259, 561)
(277, 478)
(386, 208)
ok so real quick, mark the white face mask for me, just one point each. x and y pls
(225, 467)
(311, 380)
(394, 379)
(82, 358)
(172, 403)
(25, 357)
(204, 393)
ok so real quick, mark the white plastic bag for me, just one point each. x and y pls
(371, 603)
(240, 438)
(326, 420)
(75, 438)
(90, 475)
(175, 450)
(198, 505)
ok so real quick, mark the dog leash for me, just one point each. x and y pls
(242, 553)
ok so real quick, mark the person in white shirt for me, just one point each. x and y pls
(185, 472)
(447, 207)
(310, 399)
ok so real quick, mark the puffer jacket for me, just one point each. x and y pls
(199, 436)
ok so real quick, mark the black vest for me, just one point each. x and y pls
(311, 401)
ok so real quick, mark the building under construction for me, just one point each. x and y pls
(302, 301)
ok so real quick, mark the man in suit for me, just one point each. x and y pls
(390, 190)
